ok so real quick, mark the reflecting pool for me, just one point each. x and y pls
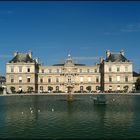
(54, 117)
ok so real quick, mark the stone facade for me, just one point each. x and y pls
(25, 73)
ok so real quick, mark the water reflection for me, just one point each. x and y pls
(78, 119)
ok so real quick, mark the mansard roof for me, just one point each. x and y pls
(64, 64)
(135, 74)
(116, 57)
(22, 57)
(69, 62)
(2, 79)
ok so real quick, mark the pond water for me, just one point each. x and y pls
(53, 117)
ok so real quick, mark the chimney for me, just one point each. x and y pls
(122, 52)
(30, 54)
(107, 53)
(100, 59)
(15, 53)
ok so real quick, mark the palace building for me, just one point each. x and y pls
(115, 73)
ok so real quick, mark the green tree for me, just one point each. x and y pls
(50, 88)
(30, 89)
(1, 89)
(12, 89)
(137, 84)
(125, 88)
(88, 88)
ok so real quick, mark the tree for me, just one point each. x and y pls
(30, 89)
(137, 84)
(88, 88)
(12, 89)
(125, 88)
(50, 88)
(1, 89)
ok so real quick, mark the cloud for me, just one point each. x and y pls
(131, 28)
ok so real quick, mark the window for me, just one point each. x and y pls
(50, 70)
(20, 79)
(110, 69)
(12, 69)
(49, 80)
(57, 80)
(28, 79)
(97, 79)
(126, 69)
(41, 80)
(42, 70)
(95, 70)
(20, 69)
(126, 78)
(81, 79)
(88, 70)
(118, 69)
(89, 79)
(80, 70)
(110, 79)
(118, 78)
(28, 69)
(57, 70)
(41, 88)
(110, 87)
(12, 80)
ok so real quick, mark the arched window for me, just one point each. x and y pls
(41, 88)
(81, 88)
(57, 88)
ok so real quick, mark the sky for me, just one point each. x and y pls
(85, 29)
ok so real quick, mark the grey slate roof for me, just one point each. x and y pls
(22, 57)
(116, 57)
(74, 64)
(135, 74)
(2, 79)
(58, 65)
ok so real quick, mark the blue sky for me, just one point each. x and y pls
(85, 29)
